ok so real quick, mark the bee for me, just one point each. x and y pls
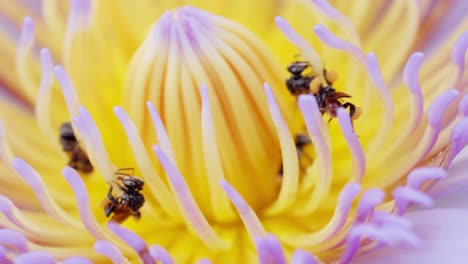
(78, 158)
(129, 202)
(328, 99)
(298, 83)
(301, 141)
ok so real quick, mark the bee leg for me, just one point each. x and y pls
(123, 189)
(111, 197)
(73, 162)
(122, 171)
(109, 209)
(303, 168)
(280, 171)
(308, 158)
(352, 108)
(136, 215)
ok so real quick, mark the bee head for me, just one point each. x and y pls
(132, 183)
(298, 67)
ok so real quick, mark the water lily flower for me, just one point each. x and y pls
(191, 100)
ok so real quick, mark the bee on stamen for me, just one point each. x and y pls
(301, 141)
(78, 158)
(130, 200)
(328, 99)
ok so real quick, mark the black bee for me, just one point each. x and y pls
(298, 83)
(328, 99)
(130, 200)
(78, 158)
(301, 141)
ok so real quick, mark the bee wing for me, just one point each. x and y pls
(338, 95)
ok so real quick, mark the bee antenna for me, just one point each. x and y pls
(297, 56)
(122, 174)
(126, 169)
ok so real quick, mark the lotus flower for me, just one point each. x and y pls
(193, 100)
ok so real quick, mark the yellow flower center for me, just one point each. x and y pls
(185, 49)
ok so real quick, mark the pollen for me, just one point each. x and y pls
(331, 76)
(315, 85)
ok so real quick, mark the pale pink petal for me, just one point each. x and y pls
(454, 189)
(35, 257)
(444, 236)
(456, 180)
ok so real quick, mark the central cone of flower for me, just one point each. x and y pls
(188, 47)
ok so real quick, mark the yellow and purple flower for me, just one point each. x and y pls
(195, 100)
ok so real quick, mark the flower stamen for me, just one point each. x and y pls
(290, 179)
(420, 175)
(42, 193)
(204, 261)
(303, 257)
(87, 216)
(319, 135)
(44, 96)
(133, 240)
(110, 250)
(80, 17)
(163, 139)
(160, 254)
(370, 199)
(94, 145)
(336, 223)
(249, 218)
(410, 77)
(213, 165)
(335, 42)
(23, 53)
(387, 103)
(158, 188)
(6, 155)
(357, 153)
(33, 231)
(404, 196)
(192, 213)
(305, 48)
(428, 139)
(458, 55)
(13, 239)
(435, 116)
(342, 21)
(384, 218)
(269, 250)
(69, 92)
(35, 257)
(77, 260)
